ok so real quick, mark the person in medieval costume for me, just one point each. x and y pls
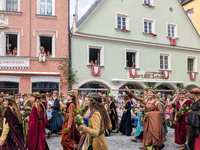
(113, 113)
(27, 107)
(181, 128)
(12, 135)
(125, 126)
(68, 132)
(36, 138)
(194, 121)
(2, 109)
(56, 122)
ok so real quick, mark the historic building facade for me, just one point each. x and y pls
(25, 26)
(137, 42)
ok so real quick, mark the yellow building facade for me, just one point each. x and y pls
(192, 9)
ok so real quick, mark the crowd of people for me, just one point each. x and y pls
(84, 120)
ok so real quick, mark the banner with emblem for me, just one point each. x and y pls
(192, 75)
(166, 74)
(96, 70)
(133, 73)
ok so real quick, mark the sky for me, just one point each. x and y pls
(84, 5)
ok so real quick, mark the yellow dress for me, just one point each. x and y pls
(96, 124)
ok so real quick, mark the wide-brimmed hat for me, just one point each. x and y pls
(195, 90)
(9, 99)
(111, 95)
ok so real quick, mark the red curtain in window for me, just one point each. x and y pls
(133, 73)
(96, 70)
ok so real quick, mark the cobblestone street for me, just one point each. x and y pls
(118, 142)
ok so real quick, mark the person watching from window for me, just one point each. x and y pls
(91, 63)
(126, 63)
(15, 51)
(49, 54)
(133, 65)
(8, 52)
(95, 62)
(42, 54)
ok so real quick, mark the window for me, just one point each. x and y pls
(46, 7)
(147, 2)
(11, 44)
(147, 26)
(46, 42)
(190, 64)
(43, 87)
(11, 88)
(11, 5)
(165, 61)
(172, 30)
(122, 21)
(131, 59)
(95, 54)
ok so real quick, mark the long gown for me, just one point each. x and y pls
(194, 127)
(56, 122)
(14, 139)
(36, 139)
(27, 107)
(113, 116)
(126, 126)
(181, 130)
(68, 142)
(139, 128)
(153, 133)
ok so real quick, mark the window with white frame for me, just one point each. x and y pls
(11, 44)
(147, 2)
(164, 62)
(149, 26)
(46, 7)
(122, 21)
(191, 63)
(95, 55)
(171, 31)
(11, 5)
(132, 58)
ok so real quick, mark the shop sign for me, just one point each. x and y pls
(14, 62)
(149, 75)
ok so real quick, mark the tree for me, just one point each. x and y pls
(68, 73)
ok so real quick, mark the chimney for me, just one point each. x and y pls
(74, 23)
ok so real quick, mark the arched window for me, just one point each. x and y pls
(131, 86)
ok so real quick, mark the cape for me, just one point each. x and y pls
(14, 138)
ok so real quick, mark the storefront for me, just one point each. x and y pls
(9, 87)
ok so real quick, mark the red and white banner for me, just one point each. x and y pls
(166, 74)
(173, 41)
(192, 75)
(133, 73)
(96, 70)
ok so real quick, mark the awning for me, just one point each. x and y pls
(145, 80)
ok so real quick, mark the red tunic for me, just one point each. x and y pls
(36, 138)
(181, 130)
(68, 141)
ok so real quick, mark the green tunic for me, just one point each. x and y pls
(27, 107)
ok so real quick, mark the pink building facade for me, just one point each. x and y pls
(25, 26)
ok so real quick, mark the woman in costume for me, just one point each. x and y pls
(12, 135)
(107, 108)
(2, 109)
(153, 133)
(113, 113)
(194, 121)
(181, 129)
(57, 121)
(97, 124)
(86, 121)
(36, 138)
(68, 138)
(126, 126)
(27, 107)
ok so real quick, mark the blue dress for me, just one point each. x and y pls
(126, 126)
(164, 124)
(57, 119)
(139, 128)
